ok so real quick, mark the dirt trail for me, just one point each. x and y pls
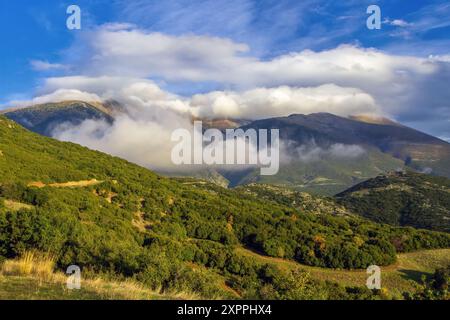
(231, 290)
(69, 184)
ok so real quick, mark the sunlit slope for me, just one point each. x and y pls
(110, 216)
(45, 118)
(402, 198)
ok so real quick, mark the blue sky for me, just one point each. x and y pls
(36, 31)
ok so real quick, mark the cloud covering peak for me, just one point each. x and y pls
(139, 67)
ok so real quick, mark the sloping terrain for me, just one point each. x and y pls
(399, 198)
(320, 148)
(45, 118)
(176, 235)
(396, 279)
(32, 276)
(324, 128)
(302, 201)
(323, 153)
(402, 198)
(325, 175)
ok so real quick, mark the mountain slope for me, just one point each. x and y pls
(325, 128)
(327, 153)
(174, 235)
(406, 199)
(325, 174)
(409, 145)
(322, 153)
(398, 198)
(45, 118)
(300, 200)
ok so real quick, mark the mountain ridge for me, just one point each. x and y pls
(386, 145)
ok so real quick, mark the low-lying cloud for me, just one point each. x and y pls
(145, 141)
(312, 152)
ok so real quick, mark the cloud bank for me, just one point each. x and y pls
(395, 82)
(138, 68)
(280, 101)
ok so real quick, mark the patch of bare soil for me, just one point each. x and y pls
(69, 184)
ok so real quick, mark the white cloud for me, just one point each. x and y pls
(145, 141)
(119, 59)
(397, 22)
(40, 65)
(57, 96)
(442, 58)
(281, 101)
(140, 94)
(311, 152)
(340, 150)
(122, 50)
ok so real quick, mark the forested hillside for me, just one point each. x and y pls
(112, 217)
(402, 198)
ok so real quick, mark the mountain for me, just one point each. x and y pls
(324, 174)
(44, 118)
(403, 199)
(329, 153)
(112, 217)
(325, 128)
(322, 153)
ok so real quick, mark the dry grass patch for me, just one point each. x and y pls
(69, 184)
(32, 276)
(16, 206)
(39, 265)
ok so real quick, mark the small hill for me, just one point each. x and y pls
(402, 199)
(303, 201)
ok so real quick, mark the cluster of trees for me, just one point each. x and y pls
(246, 277)
(434, 288)
(174, 235)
